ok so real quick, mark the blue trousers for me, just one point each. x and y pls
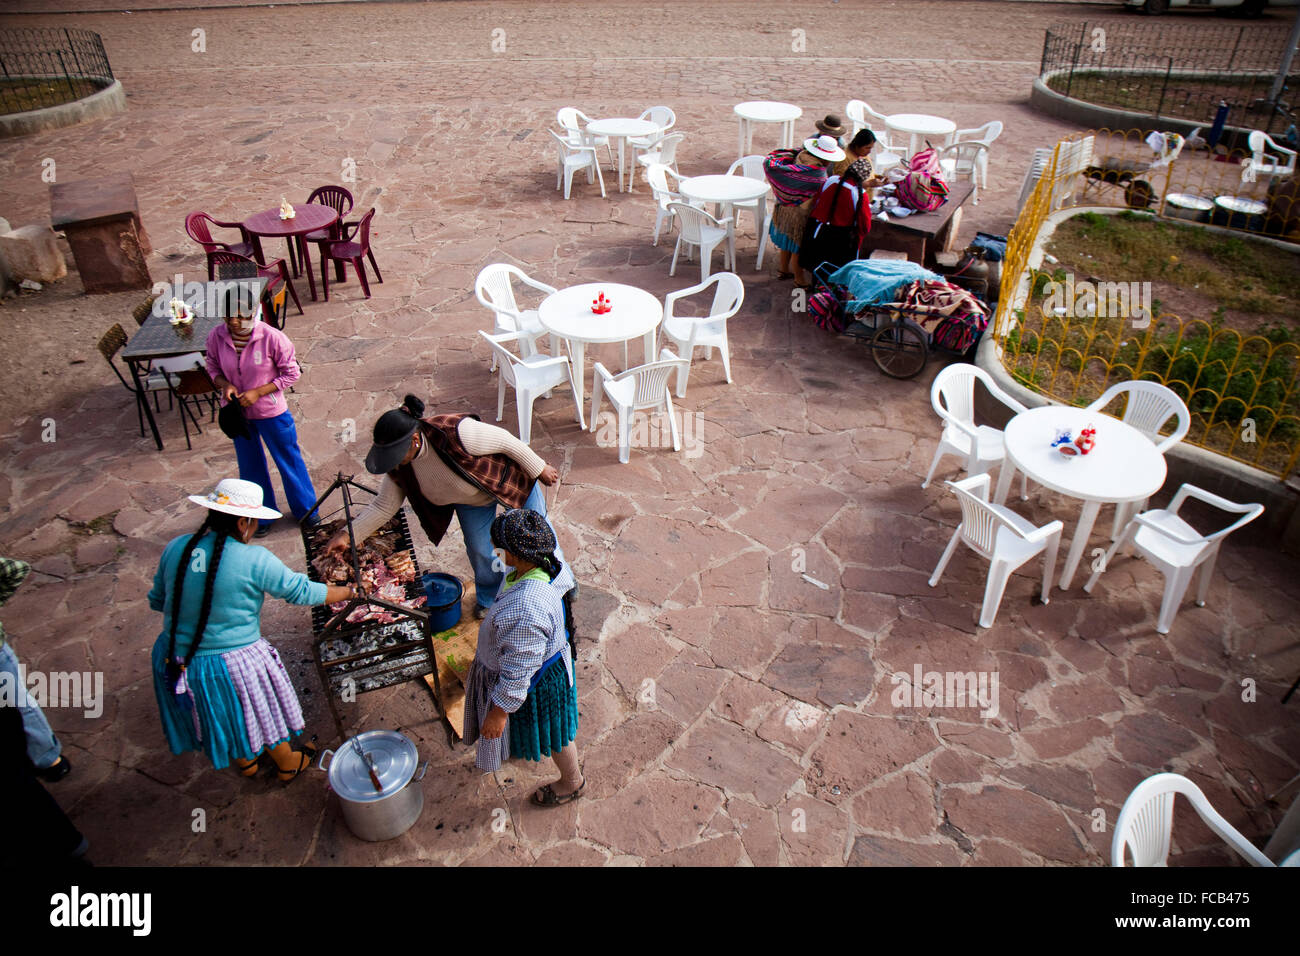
(281, 438)
(43, 748)
(476, 525)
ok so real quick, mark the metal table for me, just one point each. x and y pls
(157, 338)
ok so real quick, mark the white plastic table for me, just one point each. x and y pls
(567, 313)
(920, 127)
(1123, 466)
(725, 190)
(765, 111)
(621, 129)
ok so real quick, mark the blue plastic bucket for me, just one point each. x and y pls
(444, 592)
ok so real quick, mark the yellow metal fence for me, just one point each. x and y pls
(1241, 387)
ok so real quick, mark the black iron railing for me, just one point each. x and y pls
(1184, 73)
(40, 68)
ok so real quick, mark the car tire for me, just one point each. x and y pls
(1153, 8)
(1253, 8)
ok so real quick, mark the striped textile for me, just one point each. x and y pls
(792, 183)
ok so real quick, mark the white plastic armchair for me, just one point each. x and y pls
(1267, 157)
(494, 289)
(643, 387)
(570, 159)
(963, 160)
(664, 151)
(884, 155)
(985, 134)
(574, 123)
(531, 377)
(1150, 406)
(1001, 537)
(1176, 548)
(1146, 822)
(664, 193)
(661, 116)
(687, 333)
(751, 167)
(697, 229)
(953, 397)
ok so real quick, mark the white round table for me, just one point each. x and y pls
(919, 127)
(1123, 466)
(724, 191)
(567, 313)
(621, 129)
(766, 111)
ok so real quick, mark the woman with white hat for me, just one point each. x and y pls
(796, 179)
(221, 687)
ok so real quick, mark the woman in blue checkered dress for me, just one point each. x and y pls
(520, 697)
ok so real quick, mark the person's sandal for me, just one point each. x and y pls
(250, 769)
(549, 798)
(308, 753)
(785, 275)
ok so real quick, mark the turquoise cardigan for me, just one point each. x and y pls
(247, 573)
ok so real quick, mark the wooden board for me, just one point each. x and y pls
(454, 651)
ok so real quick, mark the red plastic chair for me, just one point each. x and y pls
(340, 200)
(273, 270)
(347, 250)
(197, 228)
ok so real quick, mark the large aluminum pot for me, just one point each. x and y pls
(372, 814)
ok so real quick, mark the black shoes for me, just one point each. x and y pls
(56, 771)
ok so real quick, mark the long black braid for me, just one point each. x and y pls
(224, 525)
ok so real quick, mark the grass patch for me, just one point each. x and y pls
(1226, 272)
(19, 96)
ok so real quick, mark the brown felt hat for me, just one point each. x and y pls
(832, 124)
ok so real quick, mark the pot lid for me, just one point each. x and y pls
(1188, 201)
(441, 589)
(1250, 207)
(395, 759)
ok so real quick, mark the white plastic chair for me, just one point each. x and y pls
(531, 376)
(574, 123)
(1278, 161)
(572, 158)
(661, 116)
(884, 155)
(697, 229)
(664, 152)
(981, 446)
(962, 160)
(1000, 536)
(1149, 407)
(637, 389)
(1147, 819)
(985, 134)
(494, 289)
(664, 195)
(750, 167)
(1176, 548)
(687, 333)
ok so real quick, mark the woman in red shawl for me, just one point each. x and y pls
(840, 218)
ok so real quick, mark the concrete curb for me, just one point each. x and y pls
(110, 100)
(1216, 473)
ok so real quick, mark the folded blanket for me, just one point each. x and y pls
(792, 183)
(876, 281)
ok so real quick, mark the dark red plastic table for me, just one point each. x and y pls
(310, 217)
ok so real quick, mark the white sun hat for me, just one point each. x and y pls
(824, 147)
(235, 496)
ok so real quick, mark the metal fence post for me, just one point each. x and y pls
(1074, 65)
(1164, 87)
(1235, 47)
(72, 47)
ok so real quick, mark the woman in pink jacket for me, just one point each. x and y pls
(253, 364)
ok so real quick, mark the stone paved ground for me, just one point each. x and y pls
(732, 712)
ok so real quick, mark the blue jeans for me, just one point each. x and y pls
(43, 748)
(281, 438)
(476, 526)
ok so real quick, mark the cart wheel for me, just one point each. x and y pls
(899, 349)
(1139, 194)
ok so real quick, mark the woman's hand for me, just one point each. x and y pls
(549, 475)
(495, 723)
(334, 593)
(337, 543)
(249, 397)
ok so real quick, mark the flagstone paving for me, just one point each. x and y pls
(733, 711)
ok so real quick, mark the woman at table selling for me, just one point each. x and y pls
(445, 465)
(252, 363)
